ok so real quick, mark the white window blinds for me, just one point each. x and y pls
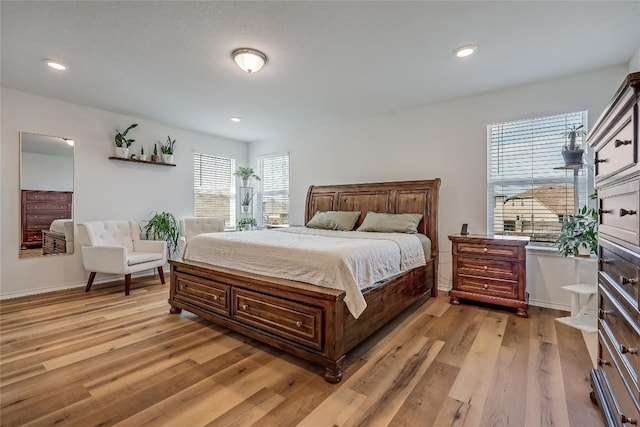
(214, 187)
(530, 191)
(274, 204)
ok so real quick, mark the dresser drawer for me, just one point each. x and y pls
(33, 236)
(623, 393)
(53, 243)
(211, 295)
(619, 206)
(52, 196)
(288, 319)
(487, 250)
(47, 207)
(617, 151)
(622, 269)
(488, 268)
(491, 287)
(624, 339)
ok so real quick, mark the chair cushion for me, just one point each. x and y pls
(141, 257)
(110, 233)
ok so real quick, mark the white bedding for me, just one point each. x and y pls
(345, 260)
(57, 226)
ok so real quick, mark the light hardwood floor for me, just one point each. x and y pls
(101, 358)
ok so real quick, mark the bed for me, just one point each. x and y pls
(310, 321)
(58, 239)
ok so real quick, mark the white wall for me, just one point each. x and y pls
(445, 140)
(43, 172)
(634, 63)
(104, 189)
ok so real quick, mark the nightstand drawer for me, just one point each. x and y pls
(479, 285)
(488, 268)
(487, 250)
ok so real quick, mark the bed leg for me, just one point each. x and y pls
(175, 310)
(333, 374)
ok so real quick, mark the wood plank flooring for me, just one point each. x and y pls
(72, 358)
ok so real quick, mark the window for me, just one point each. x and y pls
(274, 174)
(214, 187)
(530, 191)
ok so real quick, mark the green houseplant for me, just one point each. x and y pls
(122, 143)
(245, 174)
(579, 236)
(246, 223)
(163, 226)
(167, 149)
(572, 152)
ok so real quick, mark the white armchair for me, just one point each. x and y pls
(115, 247)
(190, 227)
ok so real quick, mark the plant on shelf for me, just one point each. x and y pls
(245, 202)
(154, 156)
(167, 149)
(122, 143)
(579, 236)
(245, 174)
(246, 223)
(572, 152)
(142, 155)
(163, 226)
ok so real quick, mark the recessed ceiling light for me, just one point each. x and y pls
(236, 119)
(56, 65)
(466, 50)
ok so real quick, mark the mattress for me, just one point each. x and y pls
(57, 226)
(344, 260)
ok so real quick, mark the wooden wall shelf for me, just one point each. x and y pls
(141, 161)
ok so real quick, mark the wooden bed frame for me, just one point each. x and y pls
(310, 321)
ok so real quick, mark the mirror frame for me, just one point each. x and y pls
(56, 200)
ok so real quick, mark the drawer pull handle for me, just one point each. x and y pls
(299, 323)
(619, 143)
(602, 312)
(603, 362)
(624, 212)
(485, 268)
(486, 286)
(626, 281)
(624, 349)
(244, 306)
(604, 211)
(216, 297)
(605, 261)
(600, 160)
(484, 250)
(624, 419)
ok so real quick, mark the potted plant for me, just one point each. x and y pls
(167, 150)
(163, 226)
(579, 236)
(154, 156)
(122, 143)
(245, 174)
(246, 224)
(572, 152)
(143, 156)
(245, 202)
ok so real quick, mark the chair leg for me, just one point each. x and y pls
(127, 283)
(161, 273)
(90, 281)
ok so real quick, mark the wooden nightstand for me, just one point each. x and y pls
(491, 270)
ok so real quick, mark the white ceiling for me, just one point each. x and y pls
(328, 61)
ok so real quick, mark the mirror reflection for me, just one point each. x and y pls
(46, 195)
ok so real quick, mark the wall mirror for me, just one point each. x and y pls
(46, 195)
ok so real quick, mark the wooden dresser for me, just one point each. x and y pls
(614, 141)
(491, 270)
(39, 209)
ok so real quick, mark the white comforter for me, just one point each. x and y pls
(345, 260)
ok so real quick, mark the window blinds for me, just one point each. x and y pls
(530, 192)
(275, 190)
(214, 187)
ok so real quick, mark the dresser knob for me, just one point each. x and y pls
(626, 281)
(624, 419)
(604, 211)
(216, 297)
(299, 323)
(619, 143)
(485, 268)
(485, 250)
(605, 261)
(603, 362)
(624, 212)
(624, 349)
(486, 286)
(244, 306)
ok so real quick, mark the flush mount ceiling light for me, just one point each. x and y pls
(249, 60)
(56, 65)
(466, 50)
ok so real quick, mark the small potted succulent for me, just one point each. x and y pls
(167, 150)
(245, 174)
(122, 143)
(572, 152)
(142, 156)
(154, 156)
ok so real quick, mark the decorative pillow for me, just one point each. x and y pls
(334, 220)
(390, 223)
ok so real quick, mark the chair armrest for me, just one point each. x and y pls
(182, 245)
(105, 259)
(157, 246)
